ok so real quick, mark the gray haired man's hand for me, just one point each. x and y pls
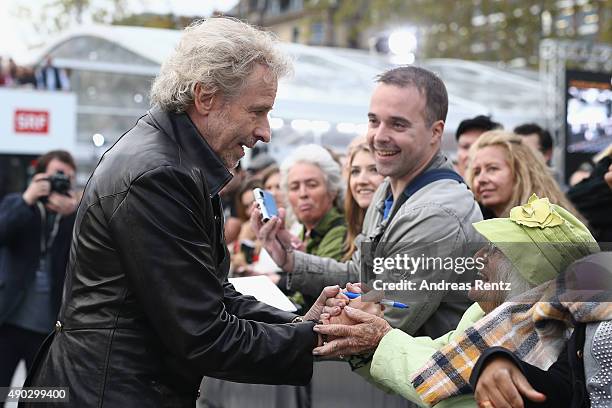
(317, 308)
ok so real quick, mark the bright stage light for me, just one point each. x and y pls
(402, 42)
(98, 140)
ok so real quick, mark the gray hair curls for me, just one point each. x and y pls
(220, 53)
(317, 156)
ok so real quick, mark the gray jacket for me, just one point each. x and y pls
(439, 215)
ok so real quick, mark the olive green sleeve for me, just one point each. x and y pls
(332, 245)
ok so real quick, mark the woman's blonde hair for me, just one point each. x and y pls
(219, 53)
(352, 212)
(529, 171)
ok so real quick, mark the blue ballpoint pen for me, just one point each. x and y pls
(386, 302)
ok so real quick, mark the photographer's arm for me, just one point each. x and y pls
(15, 216)
(39, 187)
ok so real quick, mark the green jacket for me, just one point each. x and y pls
(327, 238)
(399, 355)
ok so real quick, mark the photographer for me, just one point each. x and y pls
(35, 234)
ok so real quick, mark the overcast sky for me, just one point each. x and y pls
(17, 35)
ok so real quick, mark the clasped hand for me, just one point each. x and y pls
(350, 326)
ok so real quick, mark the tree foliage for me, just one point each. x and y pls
(57, 15)
(473, 29)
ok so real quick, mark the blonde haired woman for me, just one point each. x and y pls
(362, 182)
(503, 172)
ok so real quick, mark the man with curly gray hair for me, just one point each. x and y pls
(147, 308)
(223, 74)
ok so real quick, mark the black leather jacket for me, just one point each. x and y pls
(147, 309)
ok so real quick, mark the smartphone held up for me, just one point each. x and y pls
(266, 203)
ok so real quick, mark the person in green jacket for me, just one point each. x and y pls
(311, 181)
(523, 250)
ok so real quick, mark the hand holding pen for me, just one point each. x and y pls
(334, 306)
(385, 302)
(354, 328)
(358, 329)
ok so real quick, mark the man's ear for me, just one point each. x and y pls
(204, 99)
(437, 130)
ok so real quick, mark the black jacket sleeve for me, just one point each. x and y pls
(163, 238)
(247, 307)
(555, 383)
(15, 216)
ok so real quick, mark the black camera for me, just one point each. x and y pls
(60, 183)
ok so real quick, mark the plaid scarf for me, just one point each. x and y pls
(534, 326)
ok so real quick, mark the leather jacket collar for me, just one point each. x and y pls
(181, 129)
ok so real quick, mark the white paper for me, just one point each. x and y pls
(262, 289)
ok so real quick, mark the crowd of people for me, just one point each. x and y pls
(44, 77)
(506, 171)
(502, 169)
(169, 214)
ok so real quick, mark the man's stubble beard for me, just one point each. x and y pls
(214, 131)
(229, 161)
(393, 171)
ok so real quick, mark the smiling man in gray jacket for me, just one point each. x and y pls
(422, 207)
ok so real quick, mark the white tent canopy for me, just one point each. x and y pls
(326, 101)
